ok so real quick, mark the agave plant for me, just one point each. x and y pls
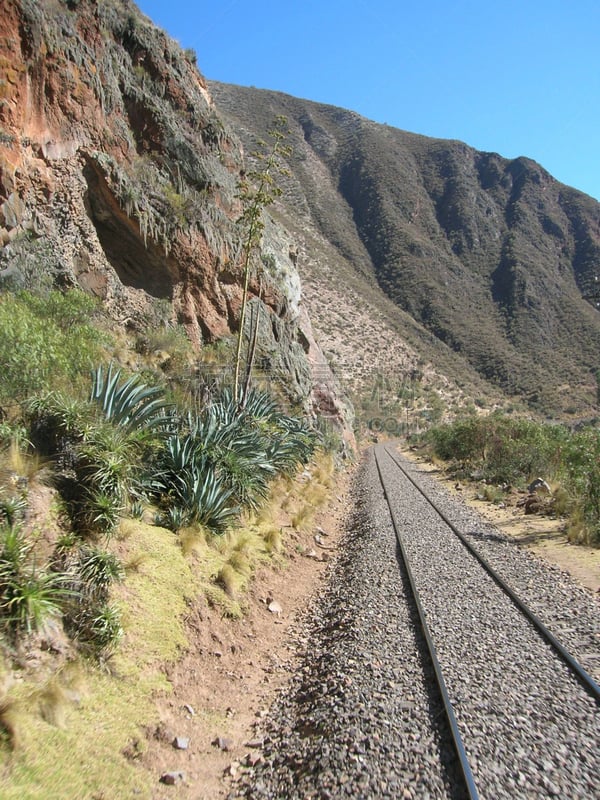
(258, 406)
(12, 508)
(237, 452)
(205, 497)
(291, 444)
(136, 509)
(105, 630)
(205, 441)
(283, 454)
(246, 476)
(106, 461)
(99, 512)
(14, 551)
(212, 434)
(130, 404)
(224, 458)
(179, 452)
(261, 406)
(57, 423)
(174, 518)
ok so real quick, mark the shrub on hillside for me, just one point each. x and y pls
(45, 342)
(29, 595)
(499, 449)
(581, 461)
(224, 459)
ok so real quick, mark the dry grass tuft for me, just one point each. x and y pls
(323, 471)
(54, 702)
(576, 528)
(241, 539)
(303, 518)
(127, 527)
(492, 494)
(193, 539)
(562, 500)
(240, 561)
(217, 596)
(135, 562)
(9, 721)
(273, 539)
(286, 503)
(59, 694)
(229, 580)
(23, 464)
(315, 494)
(280, 499)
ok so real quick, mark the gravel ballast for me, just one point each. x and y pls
(363, 717)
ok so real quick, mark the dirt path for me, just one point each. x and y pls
(234, 668)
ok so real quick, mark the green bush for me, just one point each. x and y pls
(90, 618)
(105, 629)
(463, 441)
(57, 423)
(45, 342)
(97, 513)
(518, 450)
(582, 474)
(107, 462)
(31, 598)
(97, 570)
(502, 449)
(14, 550)
(12, 508)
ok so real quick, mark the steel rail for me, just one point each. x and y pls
(584, 677)
(459, 747)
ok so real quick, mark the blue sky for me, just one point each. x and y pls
(516, 77)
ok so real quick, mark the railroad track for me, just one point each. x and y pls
(523, 713)
(362, 718)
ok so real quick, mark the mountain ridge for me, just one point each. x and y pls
(477, 268)
(493, 256)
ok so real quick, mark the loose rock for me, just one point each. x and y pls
(181, 743)
(172, 778)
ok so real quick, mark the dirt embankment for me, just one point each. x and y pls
(233, 669)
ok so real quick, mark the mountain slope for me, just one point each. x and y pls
(493, 257)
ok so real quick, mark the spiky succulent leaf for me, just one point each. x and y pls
(131, 404)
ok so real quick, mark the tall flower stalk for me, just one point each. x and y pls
(257, 191)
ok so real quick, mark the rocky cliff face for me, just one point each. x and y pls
(494, 257)
(118, 175)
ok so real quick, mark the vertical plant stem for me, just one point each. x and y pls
(256, 200)
(252, 346)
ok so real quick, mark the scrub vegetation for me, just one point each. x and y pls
(123, 499)
(504, 451)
